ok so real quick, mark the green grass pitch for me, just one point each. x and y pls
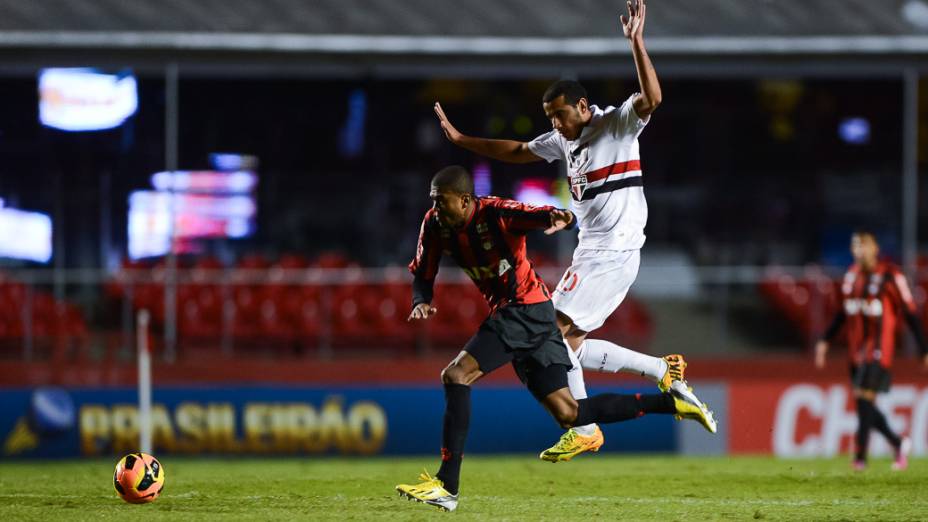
(592, 487)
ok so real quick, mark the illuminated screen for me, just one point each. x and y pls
(85, 100)
(206, 182)
(205, 204)
(25, 235)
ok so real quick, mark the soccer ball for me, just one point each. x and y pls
(139, 478)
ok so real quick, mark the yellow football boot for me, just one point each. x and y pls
(571, 445)
(690, 407)
(430, 491)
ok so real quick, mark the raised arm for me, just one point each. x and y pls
(633, 29)
(509, 151)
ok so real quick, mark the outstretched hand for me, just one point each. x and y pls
(633, 24)
(421, 311)
(450, 132)
(560, 219)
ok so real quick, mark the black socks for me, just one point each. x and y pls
(454, 433)
(612, 407)
(864, 420)
(868, 416)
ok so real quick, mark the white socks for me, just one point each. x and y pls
(603, 356)
(577, 388)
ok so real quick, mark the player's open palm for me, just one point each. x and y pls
(421, 311)
(633, 24)
(450, 132)
(560, 219)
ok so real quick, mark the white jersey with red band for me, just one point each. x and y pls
(604, 168)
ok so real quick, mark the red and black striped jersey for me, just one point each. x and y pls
(489, 247)
(872, 304)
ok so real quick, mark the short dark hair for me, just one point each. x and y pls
(571, 90)
(455, 178)
(864, 231)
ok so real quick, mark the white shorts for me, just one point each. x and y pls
(595, 285)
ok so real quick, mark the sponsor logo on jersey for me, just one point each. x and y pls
(867, 307)
(479, 273)
(504, 267)
(576, 167)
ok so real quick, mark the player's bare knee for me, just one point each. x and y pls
(454, 374)
(567, 417)
(448, 374)
(566, 414)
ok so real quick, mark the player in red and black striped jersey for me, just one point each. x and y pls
(874, 297)
(489, 245)
(486, 238)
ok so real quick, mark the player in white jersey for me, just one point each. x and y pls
(600, 146)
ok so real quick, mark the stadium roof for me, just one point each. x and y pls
(478, 31)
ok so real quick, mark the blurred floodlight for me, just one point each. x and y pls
(855, 131)
(916, 13)
(25, 235)
(85, 100)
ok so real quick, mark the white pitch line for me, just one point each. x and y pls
(717, 502)
(603, 499)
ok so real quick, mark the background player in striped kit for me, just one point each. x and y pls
(874, 296)
(600, 147)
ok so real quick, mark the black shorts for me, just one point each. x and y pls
(528, 337)
(870, 376)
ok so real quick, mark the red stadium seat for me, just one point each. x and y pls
(332, 260)
(194, 325)
(461, 310)
(348, 328)
(57, 329)
(808, 303)
(276, 331)
(253, 261)
(630, 325)
(246, 317)
(384, 308)
(310, 315)
(292, 261)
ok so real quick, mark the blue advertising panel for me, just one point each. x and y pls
(50, 422)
